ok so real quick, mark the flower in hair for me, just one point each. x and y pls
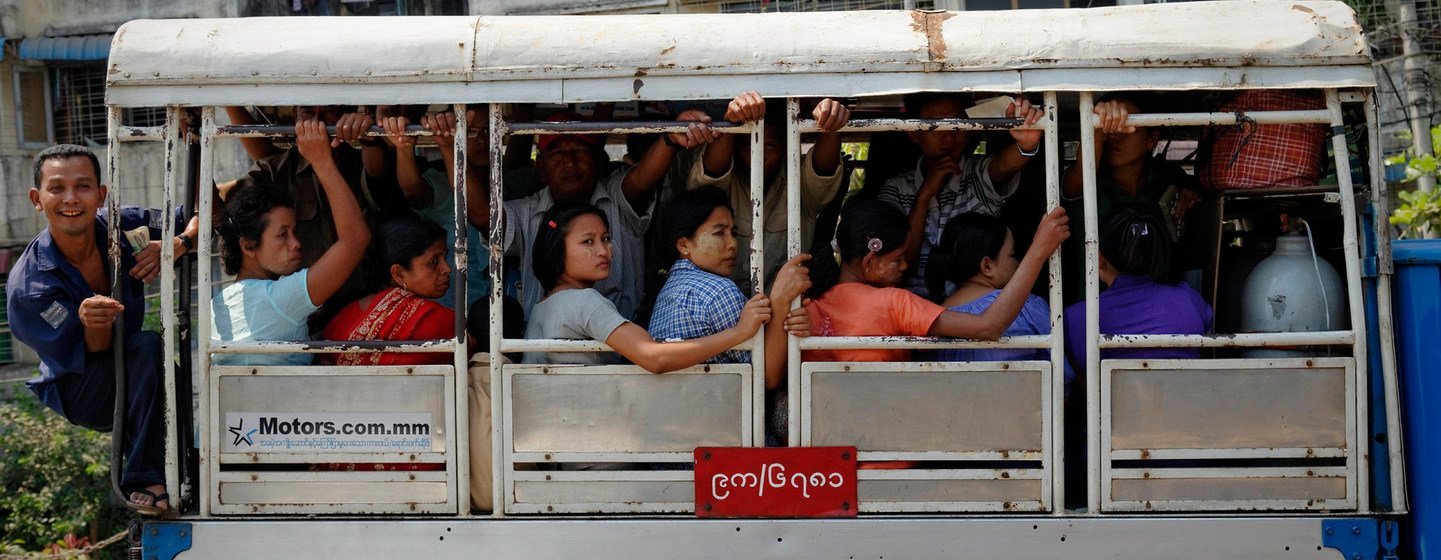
(551, 224)
(875, 245)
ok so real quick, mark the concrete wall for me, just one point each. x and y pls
(36, 18)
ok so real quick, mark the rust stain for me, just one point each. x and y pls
(930, 24)
(1301, 8)
(667, 50)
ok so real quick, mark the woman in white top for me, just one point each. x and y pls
(272, 297)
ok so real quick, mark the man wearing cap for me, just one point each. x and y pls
(571, 167)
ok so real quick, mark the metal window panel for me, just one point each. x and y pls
(355, 389)
(606, 413)
(937, 411)
(1252, 409)
(617, 412)
(921, 407)
(1204, 405)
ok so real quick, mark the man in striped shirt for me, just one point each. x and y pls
(949, 179)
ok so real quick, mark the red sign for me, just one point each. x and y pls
(775, 481)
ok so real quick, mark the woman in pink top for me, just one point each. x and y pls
(858, 296)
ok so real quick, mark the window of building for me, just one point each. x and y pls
(32, 107)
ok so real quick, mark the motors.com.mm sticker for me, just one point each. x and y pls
(326, 432)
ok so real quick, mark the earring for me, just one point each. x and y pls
(404, 287)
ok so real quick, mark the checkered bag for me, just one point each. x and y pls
(1251, 156)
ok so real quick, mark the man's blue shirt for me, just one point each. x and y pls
(44, 292)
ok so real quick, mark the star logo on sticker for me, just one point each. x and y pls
(237, 430)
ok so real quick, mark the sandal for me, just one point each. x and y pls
(151, 509)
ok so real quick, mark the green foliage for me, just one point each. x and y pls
(1419, 215)
(55, 477)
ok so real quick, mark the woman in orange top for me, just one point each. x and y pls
(414, 252)
(855, 294)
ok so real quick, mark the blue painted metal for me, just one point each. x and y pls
(73, 48)
(165, 540)
(1356, 538)
(1380, 474)
(1390, 539)
(1418, 322)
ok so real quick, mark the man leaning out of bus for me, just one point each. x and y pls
(62, 304)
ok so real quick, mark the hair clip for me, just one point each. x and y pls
(835, 247)
(551, 224)
(875, 245)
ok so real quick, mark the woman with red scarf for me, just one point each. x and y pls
(414, 253)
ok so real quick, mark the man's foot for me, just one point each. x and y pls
(150, 501)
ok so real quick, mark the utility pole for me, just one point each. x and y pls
(1418, 103)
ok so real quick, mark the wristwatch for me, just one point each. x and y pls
(188, 242)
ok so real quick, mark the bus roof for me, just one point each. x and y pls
(1228, 44)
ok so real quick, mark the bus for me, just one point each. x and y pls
(1236, 455)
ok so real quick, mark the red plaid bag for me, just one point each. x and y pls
(1251, 156)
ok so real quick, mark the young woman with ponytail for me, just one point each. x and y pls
(853, 286)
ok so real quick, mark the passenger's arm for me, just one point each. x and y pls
(637, 346)
(991, 324)
(640, 182)
(477, 158)
(830, 116)
(1112, 117)
(407, 169)
(256, 148)
(719, 155)
(351, 128)
(792, 281)
(1006, 164)
(936, 173)
(334, 267)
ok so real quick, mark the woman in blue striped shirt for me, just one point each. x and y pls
(696, 236)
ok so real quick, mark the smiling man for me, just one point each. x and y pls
(62, 304)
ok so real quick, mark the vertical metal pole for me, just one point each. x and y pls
(497, 309)
(461, 421)
(167, 299)
(117, 341)
(1418, 106)
(1093, 315)
(757, 272)
(1058, 348)
(1353, 294)
(202, 323)
(1385, 321)
(793, 248)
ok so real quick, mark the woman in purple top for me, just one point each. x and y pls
(968, 268)
(1134, 248)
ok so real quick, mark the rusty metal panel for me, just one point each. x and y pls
(626, 412)
(1284, 407)
(1240, 488)
(921, 411)
(874, 492)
